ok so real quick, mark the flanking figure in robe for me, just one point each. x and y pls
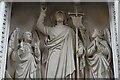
(99, 57)
(23, 56)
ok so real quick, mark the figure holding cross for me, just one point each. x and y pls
(80, 50)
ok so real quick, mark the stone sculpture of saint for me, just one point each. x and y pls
(60, 61)
(25, 58)
(99, 57)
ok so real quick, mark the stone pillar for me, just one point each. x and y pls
(119, 34)
(5, 12)
(114, 35)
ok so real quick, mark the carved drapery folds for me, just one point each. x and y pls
(51, 52)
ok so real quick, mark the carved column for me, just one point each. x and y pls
(5, 12)
(119, 35)
(114, 35)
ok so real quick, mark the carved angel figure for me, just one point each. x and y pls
(99, 57)
(23, 56)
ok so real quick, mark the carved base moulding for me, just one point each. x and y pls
(59, 40)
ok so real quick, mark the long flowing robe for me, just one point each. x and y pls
(99, 65)
(25, 62)
(60, 61)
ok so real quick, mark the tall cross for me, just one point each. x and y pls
(76, 14)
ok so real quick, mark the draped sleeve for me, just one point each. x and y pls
(40, 24)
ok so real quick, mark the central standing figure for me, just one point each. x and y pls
(60, 62)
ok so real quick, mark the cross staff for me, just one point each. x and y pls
(76, 14)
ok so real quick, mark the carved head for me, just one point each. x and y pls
(60, 16)
(27, 36)
(96, 33)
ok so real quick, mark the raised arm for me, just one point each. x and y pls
(40, 23)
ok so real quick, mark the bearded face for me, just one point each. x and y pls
(59, 17)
